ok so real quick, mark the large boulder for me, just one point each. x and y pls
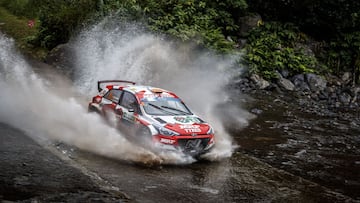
(315, 82)
(62, 57)
(260, 82)
(300, 83)
(286, 84)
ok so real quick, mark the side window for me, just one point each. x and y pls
(113, 95)
(129, 101)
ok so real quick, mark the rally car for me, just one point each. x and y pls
(152, 116)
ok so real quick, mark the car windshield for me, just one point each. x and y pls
(166, 106)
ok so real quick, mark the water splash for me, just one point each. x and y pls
(125, 51)
(115, 51)
(30, 103)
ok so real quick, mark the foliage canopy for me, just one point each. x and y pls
(215, 24)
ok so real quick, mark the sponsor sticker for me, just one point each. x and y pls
(187, 119)
(191, 128)
(167, 141)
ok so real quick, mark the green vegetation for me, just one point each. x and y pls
(17, 28)
(60, 19)
(24, 8)
(344, 52)
(206, 21)
(281, 42)
(322, 19)
(273, 47)
(334, 24)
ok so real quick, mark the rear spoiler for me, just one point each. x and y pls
(101, 82)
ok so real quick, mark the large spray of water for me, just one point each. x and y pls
(27, 102)
(108, 51)
(125, 51)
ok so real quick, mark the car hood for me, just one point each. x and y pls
(185, 125)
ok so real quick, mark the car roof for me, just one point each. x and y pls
(142, 91)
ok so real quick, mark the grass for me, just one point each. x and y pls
(17, 28)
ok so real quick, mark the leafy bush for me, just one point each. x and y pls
(60, 19)
(324, 19)
(343, 54)
(273, 47)
(24, 8)
(209, 22)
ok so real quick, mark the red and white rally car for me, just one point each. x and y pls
(152, 114)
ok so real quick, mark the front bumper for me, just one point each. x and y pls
(192, 145)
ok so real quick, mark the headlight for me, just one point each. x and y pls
(165, 131)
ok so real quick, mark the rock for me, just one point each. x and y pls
(62, 57)
(274, 88)
(346, 78)
(330, 89)
(298, 79)
(300, 153)
(306, 48)
(345, 98)
(286, 84)
(314, 96)
(299, 82)
(324, 95)
(354, 91)
(247, 23)
(256, 111)
(259, 81)
(284, 73)
(333, 80)
(315, 82)
(333, 96)
(337, 104)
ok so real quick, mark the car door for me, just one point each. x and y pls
(109, 104)
(129, 107)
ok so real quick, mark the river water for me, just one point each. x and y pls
(316, 144)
